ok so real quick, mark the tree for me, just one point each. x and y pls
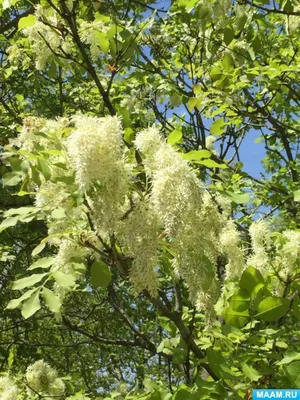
(140, 258)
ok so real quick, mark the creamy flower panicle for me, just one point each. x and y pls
(46, 38)
(140, 232)
(89, 34)
(8, 389)
(43, 379)
(96, 152)
(260, 244)
(188, 215)
(176, 208)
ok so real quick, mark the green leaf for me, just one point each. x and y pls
(217, 127)
(293, 373)
(175, 100)
(192, 103)
(8, 222)
(235, 318)
(228, 62)
(251, 372)
(52, 301)
(128, 135)
(26, 21)
(212, 164)
(216, 74)
(101, 17)
(11, 357)
(297, 195)
(28, 281)
(16, 302)
(64, 280)
(103, 41)
(272, 308)
(228, 36)
(35, 176)
(296, 307)
(175, 136)
(100, 274)
(45, 262)
(185, 393)
(240, 301)
(239, 198)
(11, 179)
(22, 211)
(289, 357)
(219, 365)
(44, 168)
(38, 249)
(195, 155)
(31, 306)
(251, 279)
(197, 89)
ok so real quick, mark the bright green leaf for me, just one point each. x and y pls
(28, 281)
(251, 372)
(239, 198)
(31, 306)
(11, 179)
(240, 301)
(16, 302)
(297, 195)
(195, 155)
(175, 136)
(25, 22)
(103, 42)
(272, 308)
(289, 357)
(217, 127)
(8, 222)
(250, 279)
(45, 262)
(38, 249)
(235, 318)
(197, 89)
(64, 280)
(192, 103)
(212, 164)
(52, 301)
(293, 373)
(44, 168)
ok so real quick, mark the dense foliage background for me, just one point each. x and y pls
(212, 76)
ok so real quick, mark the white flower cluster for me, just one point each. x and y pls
(139, 233)
(68, 249)
(96, 152)
(90, 33)
(176, 191)
(195, 224)
(43, 379)
(8, 390)
(39, 131)
(190, 218)
(289, 252)
(229, 240)
(46, 38)
(260, 244)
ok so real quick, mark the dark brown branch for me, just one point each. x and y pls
(100, 339)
